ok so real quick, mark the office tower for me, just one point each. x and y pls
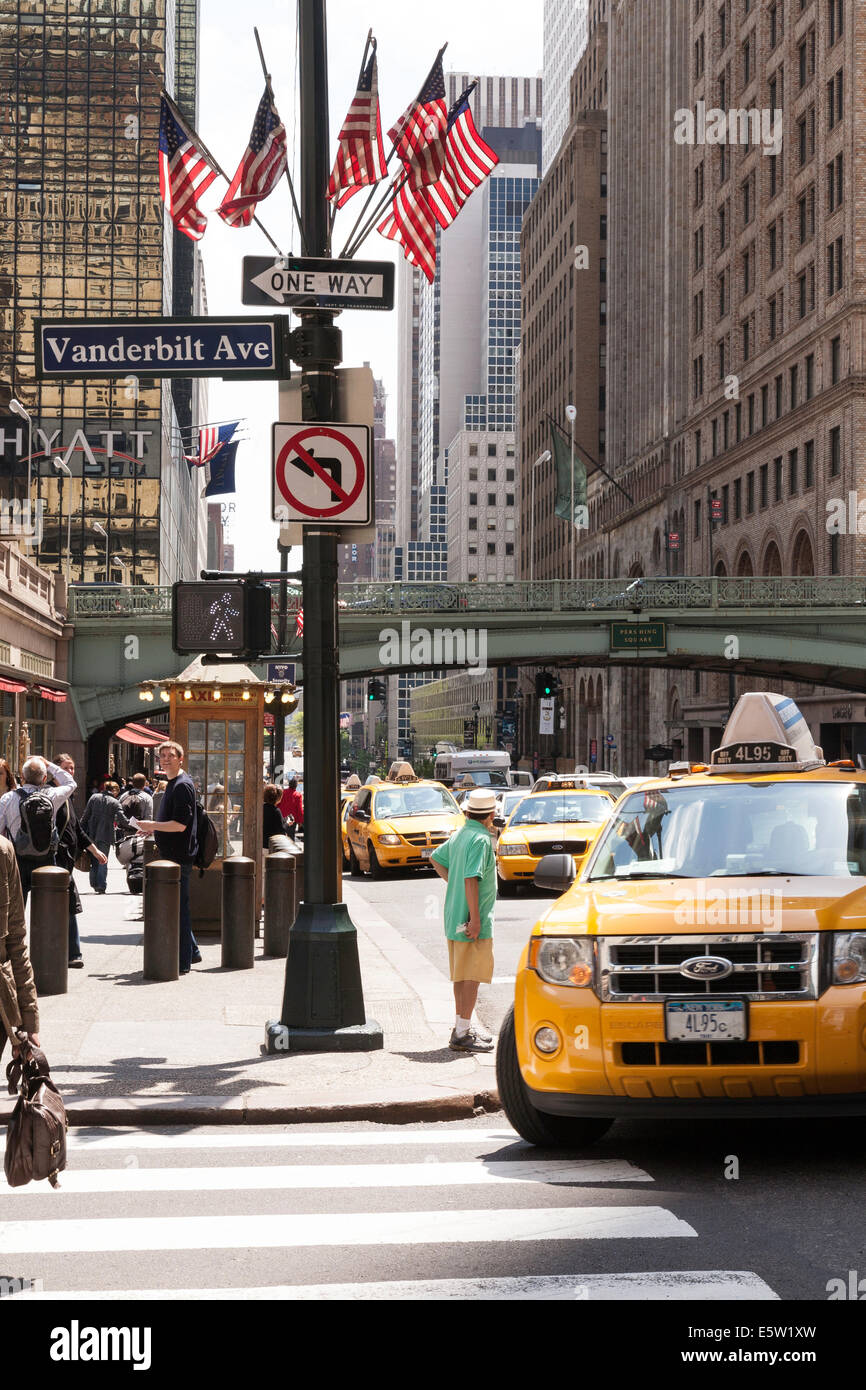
(565, 36)
(83, 233)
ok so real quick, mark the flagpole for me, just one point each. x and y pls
(297, 210)
(358, 241)
(364, 210)
(192, 134)
(594, 461)
(334, 209)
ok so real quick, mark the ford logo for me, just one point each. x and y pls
(556, 847)
(706, 968)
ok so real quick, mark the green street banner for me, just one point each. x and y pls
(562, 460)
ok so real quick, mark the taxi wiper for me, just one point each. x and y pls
(641, 873)
(767, 873)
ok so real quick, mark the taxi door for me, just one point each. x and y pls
(358, 827)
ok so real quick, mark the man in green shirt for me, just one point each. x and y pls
(467, 863)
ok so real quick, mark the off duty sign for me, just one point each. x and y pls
(322, 473)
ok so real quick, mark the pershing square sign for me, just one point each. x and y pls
(249, 347)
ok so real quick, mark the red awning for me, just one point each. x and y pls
(58, 696)
(12, 687)
(141, 735)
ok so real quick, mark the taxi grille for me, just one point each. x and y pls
(543, 847)
(434, 838)
(783, 966)
(736, 1054)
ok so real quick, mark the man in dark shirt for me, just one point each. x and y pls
(174, 831)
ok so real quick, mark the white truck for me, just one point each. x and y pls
(486, 768)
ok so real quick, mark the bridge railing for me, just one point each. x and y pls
(537, 596)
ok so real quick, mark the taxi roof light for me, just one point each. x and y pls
(766, 733)
(402, 772)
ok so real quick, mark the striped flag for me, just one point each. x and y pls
(185, 173)
(361, 157)
(419, 135)
(263, 165)
(211, 440)
(412, 224)
(299, 623)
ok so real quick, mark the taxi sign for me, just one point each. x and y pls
(766, 733)
(753, 753)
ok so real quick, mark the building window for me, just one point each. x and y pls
(602, 230)
(810, 376)
(699, 247)
(835, 361)
(738, 498)
(723, 225)
(793, 468)
(777, 479)
(473, 451)
(835, 183)
(750, 493)
(491, 475)
(752, 412)
(698, 303)
(747, 190)
(764, 484)
(835, 451)
(698, 459)
(698, 372)
(836, 8)
(602, 313)
(697, 520)
(722, 359)
(776, 243)
(473, 499)
(795, 386)
(747, 270)
(723, 294)
(834, 554)
(491, 547)
(726, 499)
(806, 215)
(779, 383)
(491, 499)
(699, 184)
(806, 136)
(806, 57)
(765, 406)
(738, 420)
(809, 463)
(834, 100)
(473, 523)
(834, 266)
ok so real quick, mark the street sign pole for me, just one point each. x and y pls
(323, 1002)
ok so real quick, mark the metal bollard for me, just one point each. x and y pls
(238, 918)
(49, 929)
(162, 921)
(150, 853)
(279, 902)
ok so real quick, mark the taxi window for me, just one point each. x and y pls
(413, 801)
(736, 830)
(560, 808)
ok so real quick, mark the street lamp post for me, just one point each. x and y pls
(476, 710)
(18, 409)
(544, 458)
(66, 471)
(571, 415)
(101, 531)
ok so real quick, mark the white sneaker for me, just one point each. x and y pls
(480, 1031)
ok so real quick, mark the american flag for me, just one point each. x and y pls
(211, 439)
(185, 173)
(415, 212)
(361, 156)
(299, 623)
(261, 168)
(419, 135)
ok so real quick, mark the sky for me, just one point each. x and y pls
(493, 39)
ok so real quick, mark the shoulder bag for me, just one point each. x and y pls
(36, 1136)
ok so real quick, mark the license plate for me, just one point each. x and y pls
(425, 853)
(710, 1020)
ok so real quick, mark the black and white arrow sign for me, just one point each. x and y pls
(307, 282)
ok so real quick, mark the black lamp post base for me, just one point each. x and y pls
(360, 1037)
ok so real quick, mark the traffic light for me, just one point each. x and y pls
(375, 691)
(545, 685)
(229, 617)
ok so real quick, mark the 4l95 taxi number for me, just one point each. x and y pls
(711, 1020)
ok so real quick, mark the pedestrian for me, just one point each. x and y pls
(272, 821)
(158, 792)
(8, 780)
(72, 842)
(102, 814)
(467, 863)
(18, 1004)
(137, 800)
(175, 835)
(28, 816)
(292, 807)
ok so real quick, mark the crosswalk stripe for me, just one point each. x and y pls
(339, 1229)
(357, 1175)
(710, 1285)
(85, 1139)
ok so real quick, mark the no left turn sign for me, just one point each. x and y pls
(322, 473)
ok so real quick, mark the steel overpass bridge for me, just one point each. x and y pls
(801, 629)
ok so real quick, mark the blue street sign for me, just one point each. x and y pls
(157, 347)
(281, 671)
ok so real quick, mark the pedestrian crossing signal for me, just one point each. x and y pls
(221, 617)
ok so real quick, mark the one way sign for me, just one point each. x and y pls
(322, 473)
(306, 282)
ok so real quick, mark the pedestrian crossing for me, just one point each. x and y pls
(359, 1214)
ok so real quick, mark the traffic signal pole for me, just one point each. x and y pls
(323, 1001)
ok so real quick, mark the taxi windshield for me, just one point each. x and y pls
(734, 830)
(414, 801)
(560, 808)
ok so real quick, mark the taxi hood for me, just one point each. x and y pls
(692, 906)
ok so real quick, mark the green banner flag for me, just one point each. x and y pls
(562, 459)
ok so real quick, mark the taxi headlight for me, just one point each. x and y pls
(849, 958)
(564, 960)
(388, 839)
(513, 849)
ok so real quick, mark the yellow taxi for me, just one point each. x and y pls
(397, 823)
(563, 819)
(710, 957)
(347, 796)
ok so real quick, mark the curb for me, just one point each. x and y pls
(141, 1111)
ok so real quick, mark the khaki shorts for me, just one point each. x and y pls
(471, 960)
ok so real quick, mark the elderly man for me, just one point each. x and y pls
(18, 1007)
(20, 821)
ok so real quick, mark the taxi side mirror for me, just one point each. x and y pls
(360, 815)
(555, 872)
(499, 822)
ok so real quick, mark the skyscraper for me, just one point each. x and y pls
(83, 233)
(565, 35)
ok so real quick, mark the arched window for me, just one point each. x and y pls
(803, 562)
(745, 568)
(772, 565)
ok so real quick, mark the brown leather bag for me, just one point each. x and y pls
(36, 1136)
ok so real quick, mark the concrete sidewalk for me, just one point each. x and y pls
(124, 1050)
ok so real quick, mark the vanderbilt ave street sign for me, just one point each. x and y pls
(629, 637)
(316, 283)
(155, 347)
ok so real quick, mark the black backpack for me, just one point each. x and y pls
(37, 836)
(206, 838)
